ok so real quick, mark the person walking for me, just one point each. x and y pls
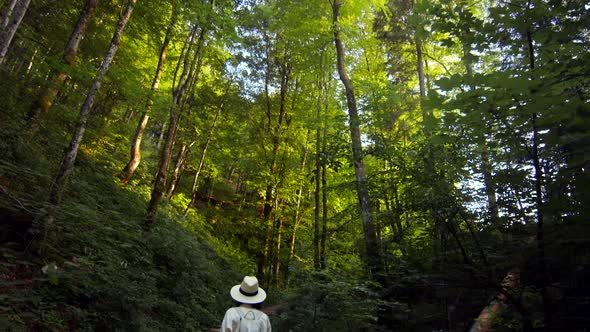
(245, 317)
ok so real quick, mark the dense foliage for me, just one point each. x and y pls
(390, 165)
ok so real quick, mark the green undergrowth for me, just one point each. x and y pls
(95, 268)
(325, 301)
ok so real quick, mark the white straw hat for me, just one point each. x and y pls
(248, 291)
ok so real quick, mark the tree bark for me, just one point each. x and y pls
(161, 135)
(190, 73)
(267, 208)
(448, 224)
(421, 79)
(279, 233)
(201, 162)
(486, 165)
(297, 213)
(490, 188)
(77, 35)
(135, 153)
(317, 192)
(45, 100)
(178, 167)
(161, 175)
(6, 13)
(276, 136)
(323, 261)
(18, 11)
(69, 158)
(539, 201)
(484, 321)
(374, 262)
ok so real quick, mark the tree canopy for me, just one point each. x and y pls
(394, 165)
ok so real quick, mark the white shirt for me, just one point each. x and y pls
(231, 320)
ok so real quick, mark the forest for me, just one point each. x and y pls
(378, 165)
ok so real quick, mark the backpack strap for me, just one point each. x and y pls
(246, 314)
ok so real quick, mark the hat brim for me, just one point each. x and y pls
(236, 295)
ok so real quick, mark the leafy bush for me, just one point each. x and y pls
(324, 302)
(99, 270)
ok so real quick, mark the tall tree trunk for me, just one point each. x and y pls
(18, 12)
(277, 269)
(203, 155)
(161, 175)
(45, 100)
(486, 165)
(276, 136)
(539, 206)
(135, 155)
(196, 179)
(421, 78)
(179, 167)
(190, 73)
(69, 158)
(285, 73)
(267, 207)
(480, 249)
(297, 212)
(266, 219)
(201, 162)
(490, 188)
(320, 173)
(6, 13)
(374, 263)
(450, 227)
(324, 203)
(161, 135)
(317, 209)
(317, 177)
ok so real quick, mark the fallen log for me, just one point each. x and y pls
(498, 304)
